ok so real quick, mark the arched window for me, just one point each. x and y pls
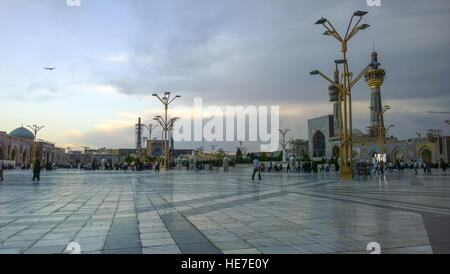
(427, 157)
(13, 154)
(398, 155)
(319, 144)
(157, 152)
(335, 151)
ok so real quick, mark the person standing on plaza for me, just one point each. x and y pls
(1, 170)
(382, 167)
(36, 170)
(225, 164)
(256, 167)
(157, 167)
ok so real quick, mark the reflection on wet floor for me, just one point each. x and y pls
(215, 212)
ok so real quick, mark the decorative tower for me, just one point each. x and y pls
(375, 78)
(334, 97)
(139, 127)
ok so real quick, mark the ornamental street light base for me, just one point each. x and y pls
(346, 172)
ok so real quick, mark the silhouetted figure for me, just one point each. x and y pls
(1, 170)
(36, 170)
(256, 168)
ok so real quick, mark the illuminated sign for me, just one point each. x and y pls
(380, 157)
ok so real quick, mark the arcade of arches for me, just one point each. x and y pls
(17, 150)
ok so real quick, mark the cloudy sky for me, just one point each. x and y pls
(110, 56)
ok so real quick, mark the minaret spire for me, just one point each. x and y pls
(375, 78)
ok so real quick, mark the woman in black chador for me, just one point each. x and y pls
(36, 170)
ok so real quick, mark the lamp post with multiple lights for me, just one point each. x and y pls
(149, 140)
(344, 90)
(283, 143)
(35, 129)
(165, 124)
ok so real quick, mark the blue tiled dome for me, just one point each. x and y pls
(22, 132)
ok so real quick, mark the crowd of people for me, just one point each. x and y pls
(381, 167)
(291, 166)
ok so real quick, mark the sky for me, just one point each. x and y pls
(111, 56)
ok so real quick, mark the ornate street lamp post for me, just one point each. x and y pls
(283, 143)
(164, 123)
(149, 140)
(344, 90)
(35, 128)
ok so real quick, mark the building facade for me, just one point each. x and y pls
(16, 149)
(323, 135)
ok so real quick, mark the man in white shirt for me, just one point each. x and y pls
(256, 166)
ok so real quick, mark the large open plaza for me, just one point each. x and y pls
(213, 212)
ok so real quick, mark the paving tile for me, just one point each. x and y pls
(157, 242)
(171, 249)
(123, 251)
(198, 248)
(46, 249)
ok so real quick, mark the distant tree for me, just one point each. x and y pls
(250, 156)
(280, 156)
(129, 158)
(146, 159)
(239, 154)
(305, 157)
(220, 154)
(263, 156)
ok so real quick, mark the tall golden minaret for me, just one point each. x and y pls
(375, 78)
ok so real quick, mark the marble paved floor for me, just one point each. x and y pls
(215, 212)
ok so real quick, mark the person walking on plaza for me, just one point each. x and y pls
(1, 170)
(376, 168)
(157, 167)
(256, 167)
(416, 166)
(36, 170)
